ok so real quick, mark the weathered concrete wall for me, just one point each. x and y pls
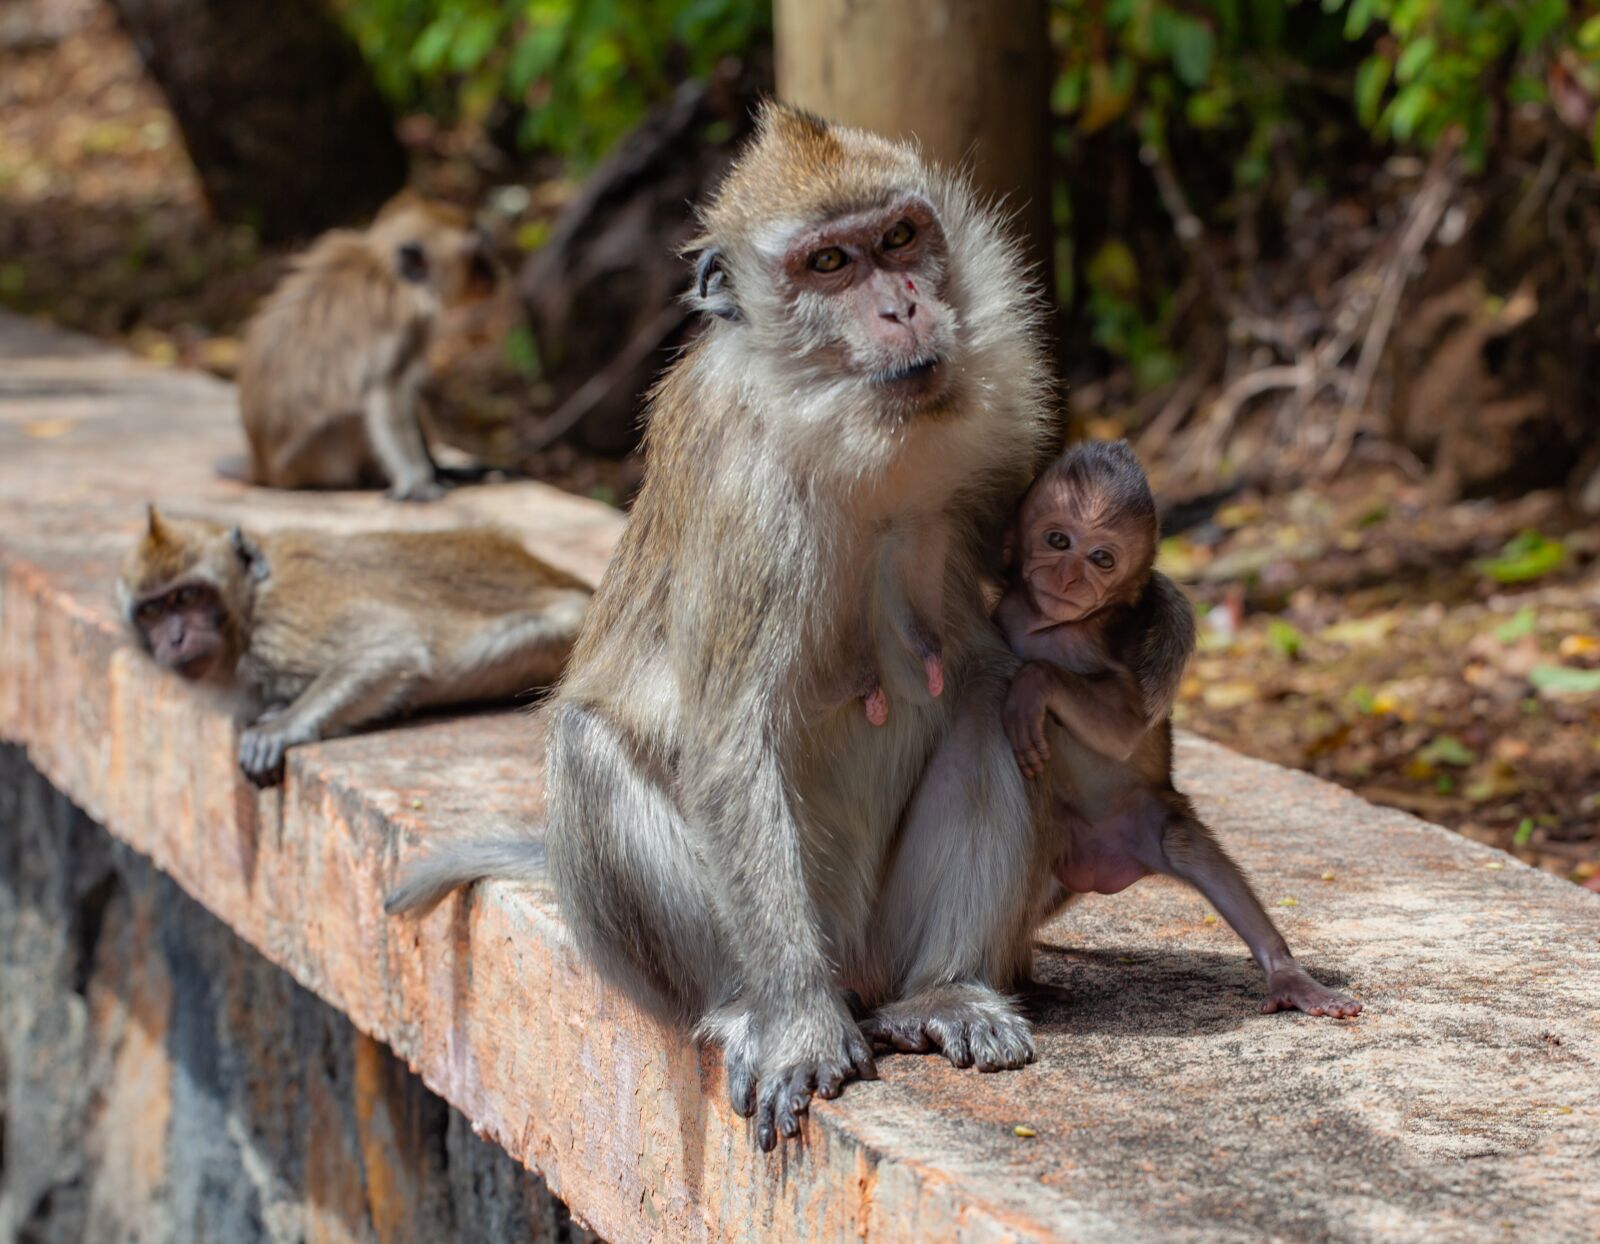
(161, 1081)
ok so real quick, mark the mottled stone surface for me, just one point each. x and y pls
(161, 1082)
(1462, 1105)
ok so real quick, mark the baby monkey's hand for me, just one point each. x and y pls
(1027, 704)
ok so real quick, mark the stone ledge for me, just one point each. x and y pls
(1460, 1105)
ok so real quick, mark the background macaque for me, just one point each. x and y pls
(826, 464)
(330, 632)
(1105, 638)
(335, 357)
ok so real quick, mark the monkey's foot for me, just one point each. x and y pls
(969, 1024)
(1293, 989)
(933, 666)
(424, 489)
(261, 755)
(877, 706)
(775, 1078)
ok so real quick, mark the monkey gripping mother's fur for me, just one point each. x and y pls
(827, 469)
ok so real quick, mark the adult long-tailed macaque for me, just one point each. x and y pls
(334, 359)
(825, 467)
(329, 632)
(1105, 638)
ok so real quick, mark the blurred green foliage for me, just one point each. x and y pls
(1233, 80)
(580, 73)
(1236, 79)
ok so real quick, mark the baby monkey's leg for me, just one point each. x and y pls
(1191, 852)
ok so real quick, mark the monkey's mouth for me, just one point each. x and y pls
(197, 667)
(923, 378)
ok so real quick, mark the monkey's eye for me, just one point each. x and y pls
(148, 612)
(186, 597)
(1058, 540)
(829, 259)
(1103, 558)
(900, 233)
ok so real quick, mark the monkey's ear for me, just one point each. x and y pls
(249, 554)
(411, 261)
(713, 290)
(156, 531)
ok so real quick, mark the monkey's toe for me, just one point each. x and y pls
(261, 757)
(421, 491)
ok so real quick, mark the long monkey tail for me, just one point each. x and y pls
(429, 878)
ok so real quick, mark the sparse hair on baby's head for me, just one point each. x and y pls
(1110, 472)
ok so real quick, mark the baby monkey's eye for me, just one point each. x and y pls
(1103, 559)
(899, 234)
(829, 259)
(1059, 540)
(149, 611)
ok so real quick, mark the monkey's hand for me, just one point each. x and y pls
(423, 488)
(1292, 988)
(261, 750)
(1027, 703)
(787, 1058)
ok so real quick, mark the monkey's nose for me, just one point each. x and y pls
(899, 312)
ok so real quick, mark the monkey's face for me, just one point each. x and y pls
(437, 247)
(184, 628)
(865, 294)
(1076, 555)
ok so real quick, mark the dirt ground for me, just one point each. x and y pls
(1444, 659)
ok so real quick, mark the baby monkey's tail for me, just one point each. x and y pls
(429, 878)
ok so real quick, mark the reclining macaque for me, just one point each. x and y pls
(329, 632)
(1105, 638)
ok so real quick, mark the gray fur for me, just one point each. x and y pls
(434, 874)
(719, 829)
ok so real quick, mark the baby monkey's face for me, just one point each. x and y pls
(1075, 556)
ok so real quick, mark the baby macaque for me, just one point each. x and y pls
(329, 632)
(1104, 638)
(335, 358)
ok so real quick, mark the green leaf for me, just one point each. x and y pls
(1114, 268)
(1564, 680)
(1371, 80)
(1405, 111)
(1520, 624)
(1358, 18)
(1193, 48)
(1524, 833)
(1286, 638)
(1446, 749)
(1589, 34)
(1524, 558)
(1414, 59)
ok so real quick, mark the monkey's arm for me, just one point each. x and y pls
(1103, 712)
(739, 659)
(355, 689)
(1187, 849)
(1166, 642)
(395, 435)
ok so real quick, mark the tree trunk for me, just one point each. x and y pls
(280, 115)
(968, 78)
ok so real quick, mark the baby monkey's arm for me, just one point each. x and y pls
(1105, 712)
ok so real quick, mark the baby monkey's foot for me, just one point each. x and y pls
(1293, 989)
